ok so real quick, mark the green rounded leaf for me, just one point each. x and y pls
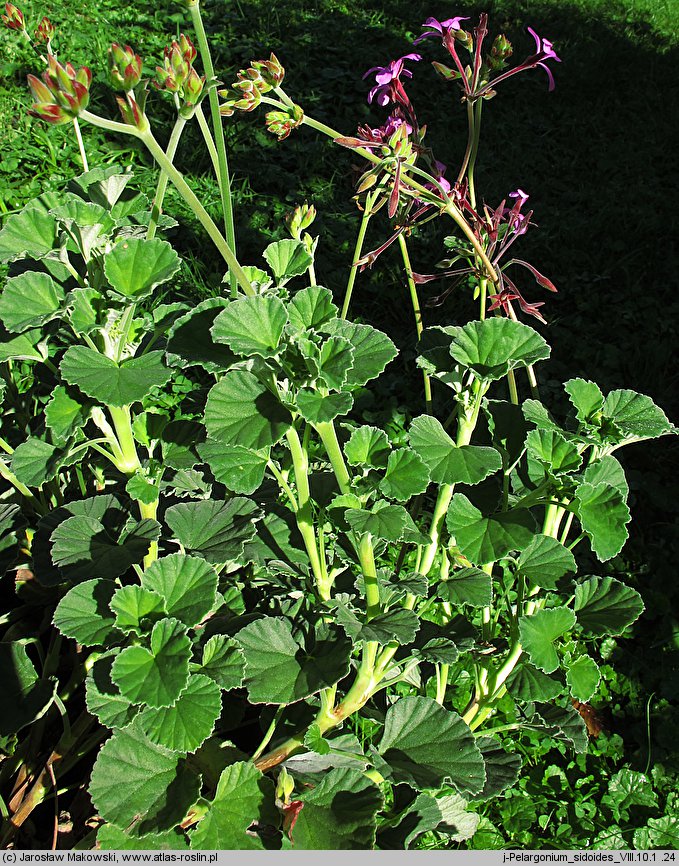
(135, 266)
(185, 725)
(394, 625)
(318, 409)
(189, 340)
(34, 462)
(495, 346)
(383, 521)
(251, 326)
(137, 609)
(607, 470)
(528, 683)
(586, 398)
(310, 308)
(539, 632)
(238, 468)
(111, 838)
(30, 233)
(29, 300)
(155, 677)
(414, 729)
(339, 814)
(278, 670)
(407, 475)
(554, 451)
(187, 585)
(448, 463)
(103, 698)
(223, 662)
(84, 613)
(604, 515)
(64, 415)
(604, 605)
(84, 545)
(545, 560)
(287, 258)
(241, 411)
(243, 797)
(502, 768)
(373, 350)
(583, 678)
(487, 539)
(467, 586)
(636, 416)
(216, 531)
(109, 382)
(367, 446)
(139, 786)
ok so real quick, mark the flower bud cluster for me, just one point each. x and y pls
(177, 74)
(124, 67)
(501, 50)
(13, 18)
(44, 32)
(281, 123)
(62, 94)
(245, 93)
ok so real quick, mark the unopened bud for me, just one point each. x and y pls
(281, 123)
(285, 785)
(464, 38)
(131, 111)
(500, 52)
(13, 18)
(124, 67)
(270, 70)
(62, 94)
(45, 31)
(445, 72)
(300, 218)
(193, 88)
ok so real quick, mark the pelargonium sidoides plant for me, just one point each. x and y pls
(258, 621)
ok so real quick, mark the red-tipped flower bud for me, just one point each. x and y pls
(193, 88)
(62, 94)
(281, 123)
(131, 111)
(124, 67)
(270, 70)
(500, 52)
(13, 17)
(45, 31)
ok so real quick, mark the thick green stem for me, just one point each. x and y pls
(223, 173)
(122, 424)
(415, 301)
(358, 249)
(161, 187)
(304, 513)
(326, 430)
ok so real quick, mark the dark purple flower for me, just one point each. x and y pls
(388, 78)
(544, 51)
(521, 195)
(439, 28)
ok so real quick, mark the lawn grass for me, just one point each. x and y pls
(596, 155)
